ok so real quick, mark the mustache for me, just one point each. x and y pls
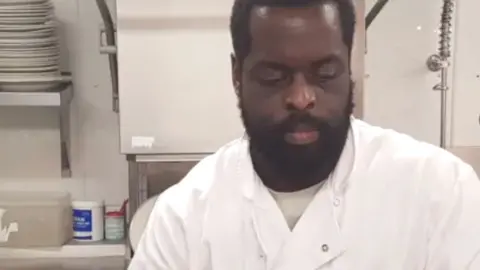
(303, 120)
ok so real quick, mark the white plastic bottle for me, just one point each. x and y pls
(88, 220)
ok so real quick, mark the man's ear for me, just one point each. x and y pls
(236, 74)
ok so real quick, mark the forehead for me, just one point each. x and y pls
(296, 34)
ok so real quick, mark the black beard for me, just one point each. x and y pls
(299, 161)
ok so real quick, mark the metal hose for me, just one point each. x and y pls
(440, 62)
(374, 12)
(444, 51)
(446, 29)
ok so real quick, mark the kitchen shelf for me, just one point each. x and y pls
(59, 97)
(71, 250)
(55, 98)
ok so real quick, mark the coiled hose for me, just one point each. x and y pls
(444, 53)
(446, 29)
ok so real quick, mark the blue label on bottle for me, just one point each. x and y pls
(82, 220)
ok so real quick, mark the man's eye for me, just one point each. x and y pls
(271, 75)
(326, 71)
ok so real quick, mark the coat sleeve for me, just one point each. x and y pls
(162, 245)
(455, 244)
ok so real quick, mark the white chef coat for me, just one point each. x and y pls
(395, 204)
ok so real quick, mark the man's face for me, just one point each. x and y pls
(295, 92)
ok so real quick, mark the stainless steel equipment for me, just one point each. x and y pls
(440, 62)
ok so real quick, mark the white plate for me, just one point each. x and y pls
(15, 65)
(9, 71)
(27, 27)
(26, 9)
(13, 44)
(45, 48)
(27, 61)
(16, 56)
(40, 40)
(15, 77)
(6, 57)
(20, 18)
(24, 46)
(22, 2)
(29, 52)
(27, 12)
(24, 5)
(24, 20)
(21, 35)
(34, 13)
(7, 53)
(27, 56)
(139, 221)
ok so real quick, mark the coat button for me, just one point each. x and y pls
(336, 202)
(325, 248)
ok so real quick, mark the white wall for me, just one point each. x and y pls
(29, 138)
(398, 85)
(466, 83)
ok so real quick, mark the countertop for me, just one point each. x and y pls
(105, 263)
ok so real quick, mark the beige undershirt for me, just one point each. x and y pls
(293, 204)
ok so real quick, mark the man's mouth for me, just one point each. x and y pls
(302, 137)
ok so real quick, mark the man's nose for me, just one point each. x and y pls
(300, 96)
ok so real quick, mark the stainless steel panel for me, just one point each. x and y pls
(176, 94)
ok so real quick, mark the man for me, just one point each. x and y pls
(311, 187)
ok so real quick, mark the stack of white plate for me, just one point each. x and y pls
(29, 46)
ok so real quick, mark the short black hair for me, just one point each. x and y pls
(242, 9)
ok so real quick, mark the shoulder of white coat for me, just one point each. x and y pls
(401, 151)
(190, 193)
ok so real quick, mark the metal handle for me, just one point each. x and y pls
(109, 30)
(436, 63)
(111, 50)
(104, 48)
